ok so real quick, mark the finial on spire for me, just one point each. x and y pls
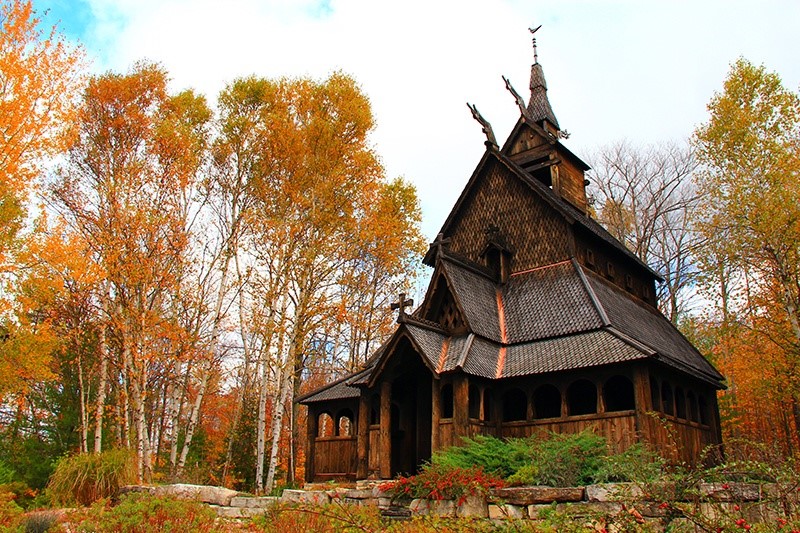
(535, 54)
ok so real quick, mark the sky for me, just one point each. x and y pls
(635, 70)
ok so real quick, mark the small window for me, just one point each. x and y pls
(610, 271)
(655, 397)
(629, 282)
(325, 425)
(680, 403)
(474, 402)
(488, 405)
(446, 396)
(589, 257)
(547, 402)
(618, 394)
(515, 405)
(582, 398)
(666, 398)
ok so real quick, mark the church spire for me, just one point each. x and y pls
(539, 108)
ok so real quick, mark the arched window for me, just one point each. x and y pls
(618, 394)
(488, 404)
(375, 409)
(703, 408)
(655, 397)
(691, 407)
(325, 427)
(666, 398)
(680, 403)
(474, 401)
(582, 398)
(446, 396)
(547, 402)
(344, 423)
(515, 405)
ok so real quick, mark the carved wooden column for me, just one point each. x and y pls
(644, 402)
(436, 414)
(311, 438)
(363, 436)
(460, 408)
(386, 430)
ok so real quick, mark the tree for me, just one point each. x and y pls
(39, 78)
(646, 198)
(750, 185)
(127, 191)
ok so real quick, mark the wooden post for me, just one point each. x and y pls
(436, 414)
(460, 408)
(311, 438)
(644, 403)
(363, 436)
(386, 430)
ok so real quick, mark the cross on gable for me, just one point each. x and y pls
(401, 304)
(439, 243)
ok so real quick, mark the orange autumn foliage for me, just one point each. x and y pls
(40, 74)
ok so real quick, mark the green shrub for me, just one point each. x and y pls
(86, 478)
(637, 464)
(142, 513)
(498, 457)
(6, 473)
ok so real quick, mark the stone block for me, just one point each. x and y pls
(730, 492)
(442, 507)
(577, 509)
(537, 495)
(614, 492)
(419, 507)
(201, 493)
(473, 506)
(262, 502)
(359, 494)
(309, 497)
(505, 511)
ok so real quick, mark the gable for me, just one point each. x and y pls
(537, 233)
(441, 307)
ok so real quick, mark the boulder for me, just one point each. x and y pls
(201, 493)
(302, 496)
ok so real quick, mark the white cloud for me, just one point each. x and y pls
(641, 70)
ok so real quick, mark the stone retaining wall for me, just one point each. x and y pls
(753, 502)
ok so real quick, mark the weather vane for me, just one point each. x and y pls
(533, 31)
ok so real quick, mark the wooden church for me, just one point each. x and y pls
(535, 320)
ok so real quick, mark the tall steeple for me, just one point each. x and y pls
(539, 108)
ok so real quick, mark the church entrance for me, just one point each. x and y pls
(410, 413)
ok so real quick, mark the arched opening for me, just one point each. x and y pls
(515, 405)
(488, 404)
(375, 409)
(666, 398)
(474, 401)
(547, 402)
(703, 408)
(325, 427)
(691, 407)
(582, 398)
(655, 396)
(680, 403)
(446, 397)
(618, 394)
(344, 423)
